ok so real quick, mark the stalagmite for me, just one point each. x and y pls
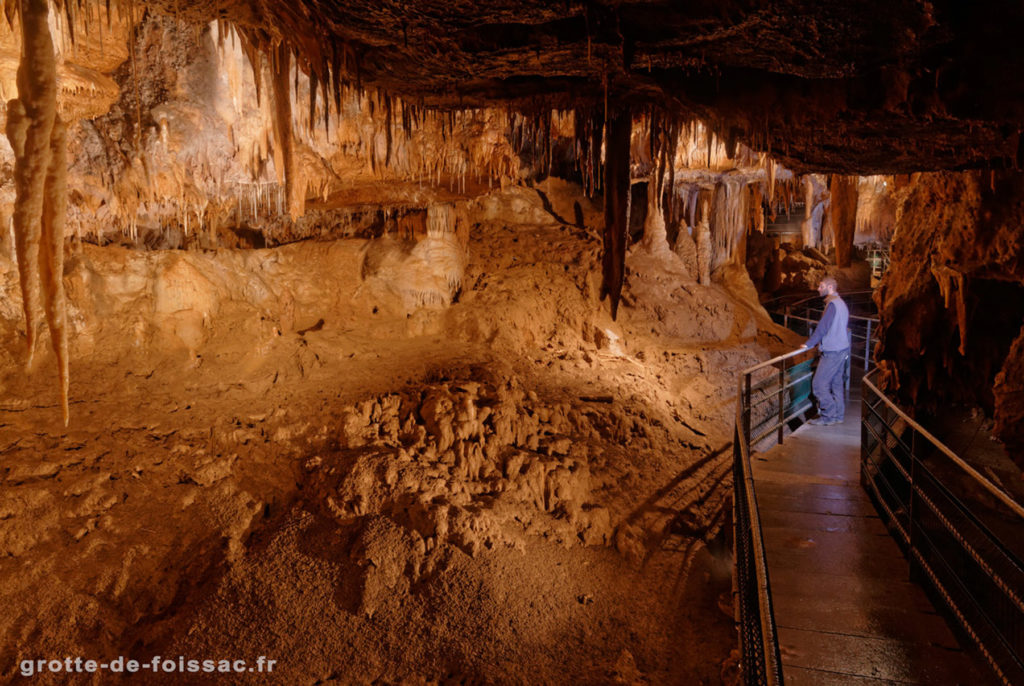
(662, 149)
(51, 253)
(616, 207)
(704, 246)
(655, 236)
(39, 172)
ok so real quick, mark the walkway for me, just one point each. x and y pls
(845, 610)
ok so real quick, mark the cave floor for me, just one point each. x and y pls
(293, 461)
(172, 517)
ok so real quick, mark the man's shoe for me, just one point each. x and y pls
(821, 421)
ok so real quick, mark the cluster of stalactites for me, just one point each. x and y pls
(410, 140)
(299, 135)
(537, 134)
(876, 209)
(90, 16)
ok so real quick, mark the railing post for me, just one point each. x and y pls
(747, 409)
(865, 392)
(785, 317)
(782, 399)
(867, 347)
(915, 568)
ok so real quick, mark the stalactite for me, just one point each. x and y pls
(668, 159)
(756, 206)
(135, 77)
(616, 207)
(387, 129)
(952, 284)
(843, 191)
(312, 99)
(807, 231)
(596, 126)
(38, 140)
(284, 151)
(808, 183)
(691, 203)
(728, 226)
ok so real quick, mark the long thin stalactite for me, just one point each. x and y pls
(616, 206)
(38, 139)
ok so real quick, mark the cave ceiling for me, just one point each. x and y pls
(877, 86)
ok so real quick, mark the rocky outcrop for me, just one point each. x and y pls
(1008, 394)
(952, 303)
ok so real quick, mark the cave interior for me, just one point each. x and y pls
(398, 341)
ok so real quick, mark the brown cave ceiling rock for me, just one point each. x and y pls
(861, 87)
(952, 303)
(1008, 393)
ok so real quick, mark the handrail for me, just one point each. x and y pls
(987, 484)
(860, 328)
(848, 295)
(772, 362)
(863, 318)
(769, 658)
(964, 548)
(759, 644)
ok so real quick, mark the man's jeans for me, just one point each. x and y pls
(828, 384)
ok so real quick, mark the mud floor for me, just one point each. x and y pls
(299, 453)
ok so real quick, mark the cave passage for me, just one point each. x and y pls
(401, 342)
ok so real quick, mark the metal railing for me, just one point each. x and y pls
(771, 394)
(962, 546)
(878, 257)
(802, 315)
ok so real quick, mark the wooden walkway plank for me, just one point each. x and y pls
(845, 609)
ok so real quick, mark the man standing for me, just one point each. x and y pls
(831, 335)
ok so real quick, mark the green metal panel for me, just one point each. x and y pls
(801, 390)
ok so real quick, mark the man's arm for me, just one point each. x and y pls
(823, 326)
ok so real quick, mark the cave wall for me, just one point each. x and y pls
(952, 303)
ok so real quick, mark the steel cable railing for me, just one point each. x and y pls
(801, 316)
(952, 541)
